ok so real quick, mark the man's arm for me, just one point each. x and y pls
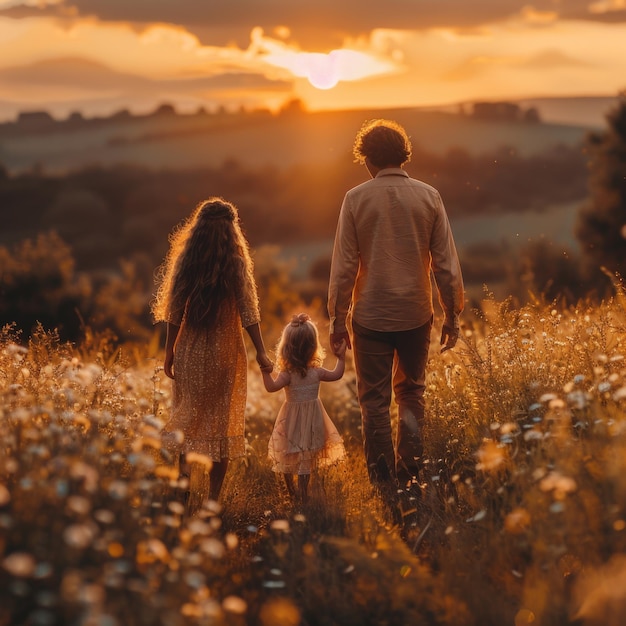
(343, 271)
(448, 277)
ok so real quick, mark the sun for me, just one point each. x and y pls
(321, 70)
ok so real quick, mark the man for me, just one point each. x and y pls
(392, 232)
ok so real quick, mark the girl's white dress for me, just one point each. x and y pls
(304, 436)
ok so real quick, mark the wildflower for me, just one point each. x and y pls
(479, 516)
(234, 604)
(198, 527)
(87, 473)
(532, 435)
(556, 403)
(212, 547)
(279, 610)
(166, 471)
(5, 496)
(547, 397)
(78, 505)
(490, 456)
(201, 459)
(176, 507)
(558, 484)
(115, 550)
(79, 535)
(152, 550)
(146, 442)
(20, 564)
(118, 490)
(517, 521)
(274, 584)
(577, 399)
(280, 525)
(195, 579)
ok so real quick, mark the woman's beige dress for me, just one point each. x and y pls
(209, 387)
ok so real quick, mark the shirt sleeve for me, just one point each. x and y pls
(343, 269)
(446, 267)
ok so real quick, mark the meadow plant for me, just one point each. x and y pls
(522, 515)
(526, 436)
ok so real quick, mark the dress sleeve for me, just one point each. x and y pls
(248, 300)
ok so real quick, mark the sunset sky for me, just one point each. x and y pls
(99, 56)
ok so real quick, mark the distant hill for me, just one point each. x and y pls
(581, 111)
(166, 139)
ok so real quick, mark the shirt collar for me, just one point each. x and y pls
(392, 171)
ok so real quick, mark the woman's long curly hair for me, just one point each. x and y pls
(205, 267)
(299, 347)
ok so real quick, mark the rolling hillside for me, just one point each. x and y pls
(259, 139)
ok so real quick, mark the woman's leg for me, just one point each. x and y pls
(217, 475)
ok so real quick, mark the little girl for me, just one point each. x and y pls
(206, 294)
(304, 436)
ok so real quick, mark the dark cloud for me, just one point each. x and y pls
(320, 23)
(88, 75)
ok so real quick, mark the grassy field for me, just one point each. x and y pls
(522, 518)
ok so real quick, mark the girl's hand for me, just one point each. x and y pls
(339, 348)
(337, 338)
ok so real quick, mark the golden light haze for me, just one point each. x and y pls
(98, 57)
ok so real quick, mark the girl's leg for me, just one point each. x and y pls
(303, 487)
(290, 486)
(217, 475)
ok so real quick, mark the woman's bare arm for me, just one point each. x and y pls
(170, 341)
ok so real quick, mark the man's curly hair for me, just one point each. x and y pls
(383, 142)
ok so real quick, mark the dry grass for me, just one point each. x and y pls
(522, 518)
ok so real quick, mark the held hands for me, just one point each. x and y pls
(264, 362)
(336, 341)
(339, 349)
(449, 337)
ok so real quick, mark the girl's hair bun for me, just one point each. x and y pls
(301, 318)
